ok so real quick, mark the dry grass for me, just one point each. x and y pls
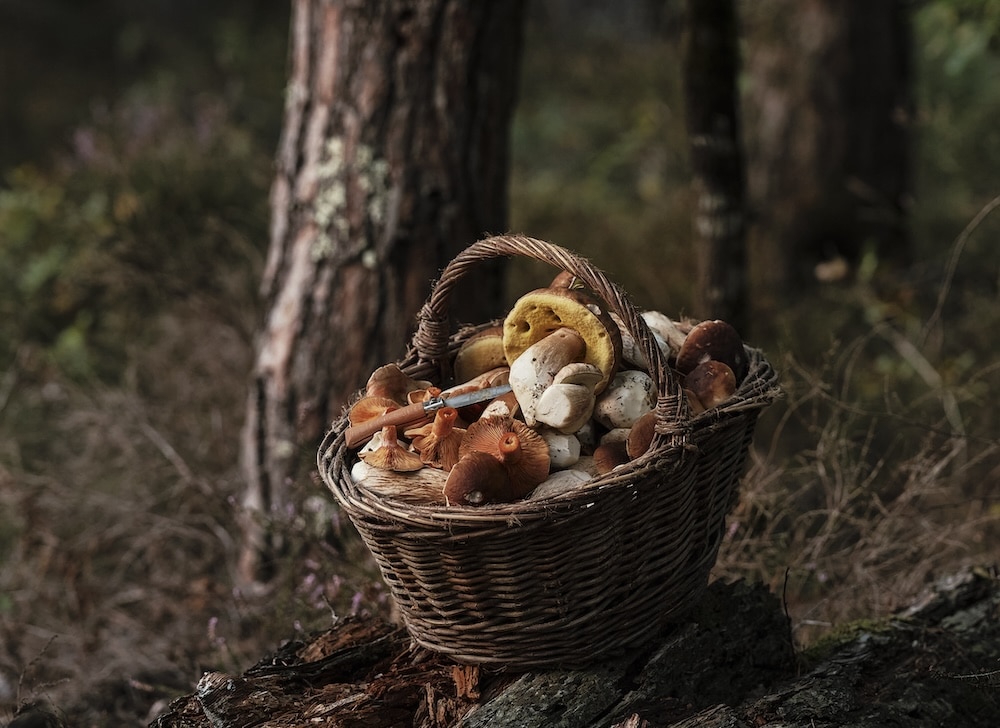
(873, 506)
(117, 526)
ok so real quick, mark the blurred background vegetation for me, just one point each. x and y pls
(136, 148)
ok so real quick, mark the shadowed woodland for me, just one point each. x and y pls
(138, 149)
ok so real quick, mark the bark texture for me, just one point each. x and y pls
(828, 109)
(730, 664)
(393, 157)
(711, 67)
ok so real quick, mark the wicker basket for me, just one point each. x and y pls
(575, 577)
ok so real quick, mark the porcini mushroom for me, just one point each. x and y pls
(716, 340)
(609, 456)
(568, 403)
(667, 332)
(564, 449)
(640, 436)
(535, 369)
(480, 353)
(391, 455)
(562, 482)
(537, 314)
(712, 382)
(438, 441)
(565, 407)
(631, 395)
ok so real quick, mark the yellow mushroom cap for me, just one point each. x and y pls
(541, 312)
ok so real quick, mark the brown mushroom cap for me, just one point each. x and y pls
(478, 478)
(610, 455)
(392, 382)
(480, 353)
(523, 452)
(713, 340)
(539, 313)
(640, 436)
(712, 382)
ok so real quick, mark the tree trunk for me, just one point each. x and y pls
(393, 157)
(730, 664)
(711, 66)
(828, 106)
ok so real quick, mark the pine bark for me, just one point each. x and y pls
(711, 68)
(393, 157)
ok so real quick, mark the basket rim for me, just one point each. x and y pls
(430, 347)
(757, 391)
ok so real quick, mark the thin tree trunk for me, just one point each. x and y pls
(393, 157)
(828, 108)
(711, 65)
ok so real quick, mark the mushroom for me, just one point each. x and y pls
(424, 394)
(587, 435)
(522, 451)
(712, 382)
(564, 449)
(535, 369)
(565, 407)
(537, 314)
(562, 482)
(391, 455)
(478, 478)
(666, 331)
(480, 353)
(391, 382)
(713, 340)
(503, 406)
(491, 378)
(694, 404)
(438, 441)
(631, 395)
(609, 456)
(569, 402)
(640, 436)
(370, 407)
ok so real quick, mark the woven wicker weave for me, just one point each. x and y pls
(575, 577)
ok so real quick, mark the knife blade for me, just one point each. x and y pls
(359, 434)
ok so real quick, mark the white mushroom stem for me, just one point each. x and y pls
(564, 450)
(665, 330)
(565, 407)
(560, 482)
(630, 395)
(535, 369)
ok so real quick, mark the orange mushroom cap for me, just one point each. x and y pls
(391, 455)
(478, 478)
(523, 452)
(438, 442)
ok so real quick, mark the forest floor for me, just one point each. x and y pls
(119, 509)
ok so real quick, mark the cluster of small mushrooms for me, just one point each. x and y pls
(581, 402)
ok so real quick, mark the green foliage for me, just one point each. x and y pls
(154, 208)
(958, 101)
(600, 161)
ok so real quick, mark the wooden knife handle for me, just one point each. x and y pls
(359, 434)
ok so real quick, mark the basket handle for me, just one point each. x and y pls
(433, 329)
